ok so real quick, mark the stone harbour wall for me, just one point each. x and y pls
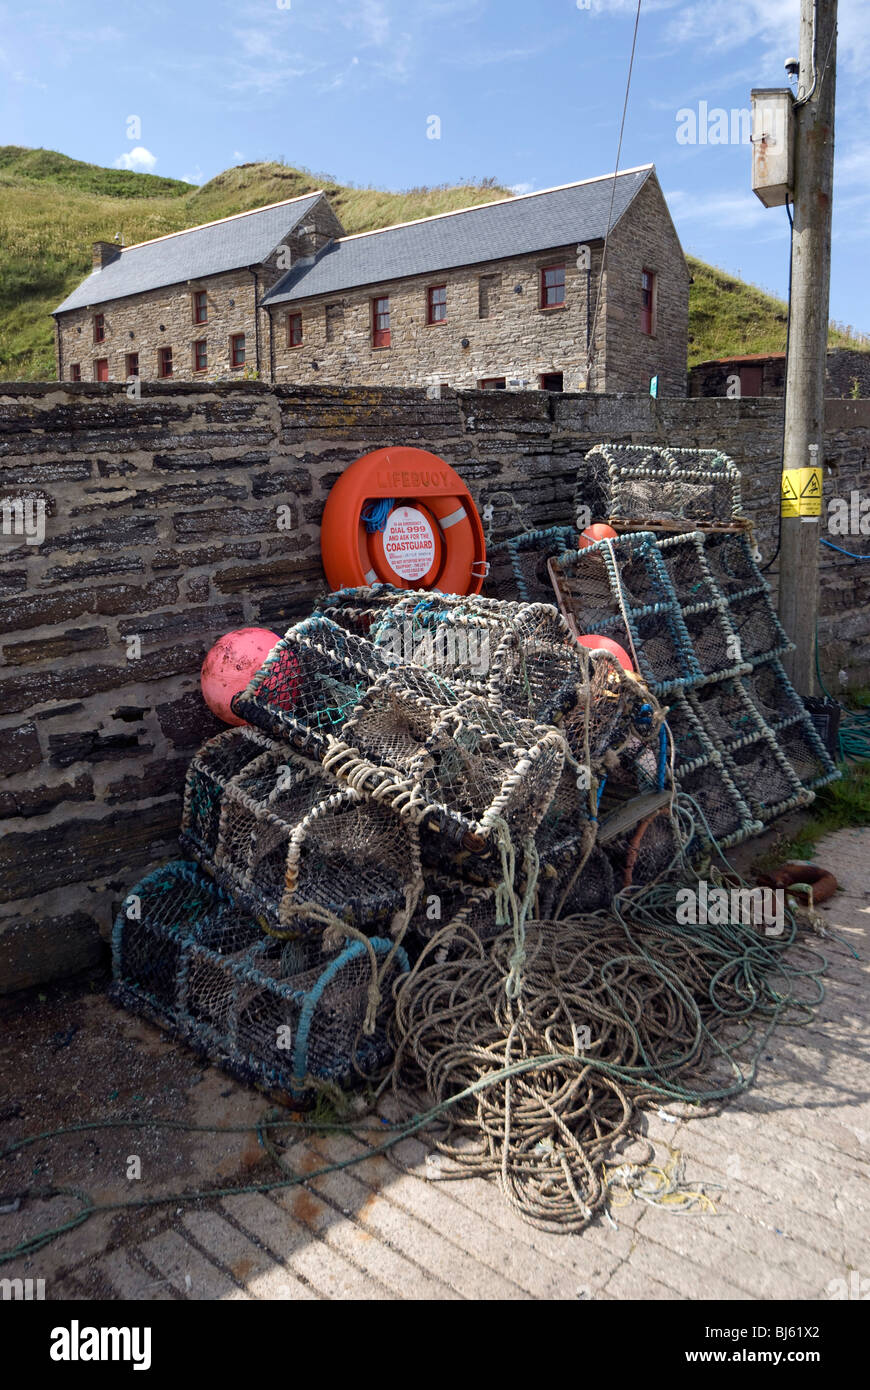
(174, 518)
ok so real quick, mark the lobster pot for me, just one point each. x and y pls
(565, 840)
(806, 754)
(758, 629)
(456, 772)
(289, 837)
(649, 850)
(731, 563)
(309, 684)
(357, 610)
(584, 882)
(210, 771)
(527, 556)
(704, 611)
(537, 668)
(764, 778)
(724, 814)
(452, 635)
(621, 590)
(281, 1015)
(643, 484)
(449, 906)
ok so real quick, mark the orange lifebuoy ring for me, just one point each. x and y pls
(432, 537)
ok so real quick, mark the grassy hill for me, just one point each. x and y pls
(52, 208)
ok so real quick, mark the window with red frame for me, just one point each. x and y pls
(164, 362)
(99, 327)
(381, 322)
(492, 383)
(200, 306)
(552, 381)
(131, 363)
(101, 369)
(200, 356)
(294, 330)
(647, 301)
(437, 304)
(552, 286)
(237, 350)
(75, 372)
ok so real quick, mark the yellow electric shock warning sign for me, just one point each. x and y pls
(801, 492)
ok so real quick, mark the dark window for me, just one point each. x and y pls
(436, 308)
(101, 369)
(200, 307)
(552, 286)
(750, 381)
(492, 383)
(132, 364)
(294, 330)
(551, 381)
(75, 372)
(99, 327)
(200, 355)
(164, 362)
(647, 301)
(381, 322)
(237, 350)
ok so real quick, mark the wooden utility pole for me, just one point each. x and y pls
(808, 335)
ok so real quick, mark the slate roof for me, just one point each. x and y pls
(233, 242)
(512, 227)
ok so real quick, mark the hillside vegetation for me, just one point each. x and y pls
(52, 208)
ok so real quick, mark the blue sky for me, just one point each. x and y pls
(528, 93)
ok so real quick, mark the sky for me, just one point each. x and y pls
(404, 93)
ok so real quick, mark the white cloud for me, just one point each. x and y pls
(520, 188)
(237, 154)
(736, 211)
(139, 158)
(196, 177)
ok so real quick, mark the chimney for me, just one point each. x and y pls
(104, 253)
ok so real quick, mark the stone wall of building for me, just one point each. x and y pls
(162, 531)
(847, 374)
(645, 239)
(494, 307)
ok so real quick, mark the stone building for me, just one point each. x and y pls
(847, 374)
(509, 294)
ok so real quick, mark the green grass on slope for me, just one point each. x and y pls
(729, 318)
(52, 208)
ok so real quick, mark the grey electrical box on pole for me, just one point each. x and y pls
(811, 179)
(772, 145)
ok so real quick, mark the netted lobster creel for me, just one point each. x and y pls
(458, 771)
(279, 1014)
(287, 836)
(647, 482)
(310, 683)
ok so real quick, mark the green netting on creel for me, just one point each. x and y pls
(310, 683)
(282, 1015)
(646, 483)
(620, 589)
(285, 836)
(358, 609)
(528, 554)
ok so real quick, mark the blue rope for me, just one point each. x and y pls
(375, 513)
(663, 758)
(851, 554)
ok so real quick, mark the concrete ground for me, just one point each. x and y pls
(790, 1158)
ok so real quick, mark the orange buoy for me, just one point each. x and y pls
(596, 643)
(598, 531)
(404, 517)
